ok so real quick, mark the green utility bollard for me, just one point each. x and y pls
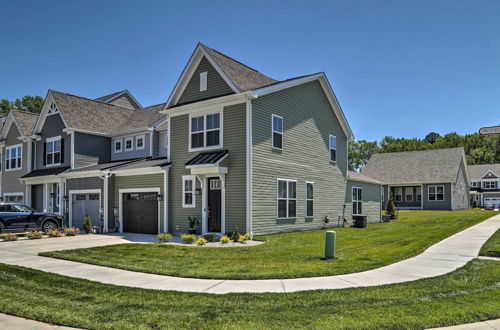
(330, 244)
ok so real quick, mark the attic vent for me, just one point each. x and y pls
(203, 81)
(53, 109)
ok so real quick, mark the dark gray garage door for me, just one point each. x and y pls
(83, 205)
(140, 213)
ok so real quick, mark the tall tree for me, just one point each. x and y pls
(360, 152)
(26, 103)
(432, 137)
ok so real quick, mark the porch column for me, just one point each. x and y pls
(61, 197)
(165, 199)
(204, 194)
(28, 195)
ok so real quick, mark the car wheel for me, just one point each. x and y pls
(49, 225)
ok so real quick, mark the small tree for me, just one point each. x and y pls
(391, 208)
(235, 236)
(87, 224)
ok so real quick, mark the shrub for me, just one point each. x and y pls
(391, 208)
(242, 239)
(10, 237)
(87, 224)
(164, 238)
(474, 204)
(188, 238)
(225, 239)
(201, 241)
(210, 237)
(34, 234)
(54, 233)
(71, 231)
(235, 236)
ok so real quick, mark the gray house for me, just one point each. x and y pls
(427, 179)
(485, 185)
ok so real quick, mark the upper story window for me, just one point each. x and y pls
(53, 151)
(118, 145)
(139, 142)
(14, 157)
(436, 193)
(129, 144)
(203, 81)
(277, 132)
(490, 184)
(205, 132)
(333, 148)
(474, 184)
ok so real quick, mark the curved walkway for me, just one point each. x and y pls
(439, 259)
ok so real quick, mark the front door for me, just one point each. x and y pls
(214, 205)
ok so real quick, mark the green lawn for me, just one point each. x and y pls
(289, 255)
(469, 294)
(492, 247)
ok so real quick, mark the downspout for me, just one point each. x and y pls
(105, 177)
(166, 170)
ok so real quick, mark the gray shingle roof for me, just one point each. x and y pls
(25, 120)
(109, 96)
(242, 76)
(424, 166)
(476, 172)
(91, 115)
(355, 176)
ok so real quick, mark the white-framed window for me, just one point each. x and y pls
(398, 194)
(419, 194)
(129, 144)
(14, 157)
(357, 200)
(140, 142)
(286, 198)
(409, 194)
(203, 81)
(309, 199)
(188, 191)
(205, 131)
(277, 130)
(474, 184)
(332, 141)
(436, 193)
(53, 151)
(118, 145)
(490, 184)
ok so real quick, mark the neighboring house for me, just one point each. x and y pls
(363, 197)
(428, 179)
(485, 184)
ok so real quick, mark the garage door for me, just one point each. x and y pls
(83, 205)
(140, 213)
(495, 201)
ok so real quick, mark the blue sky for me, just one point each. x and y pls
(400, 68)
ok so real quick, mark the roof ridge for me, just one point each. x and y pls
(400, 152)
(87, 99)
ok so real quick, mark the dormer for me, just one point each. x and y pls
(122, 99)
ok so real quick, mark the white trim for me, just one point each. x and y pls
(215, 170)
(29, 152)
(114, 145)
(282, 131)
(357, 200)
(330, 136)
(81, 191)
(135, 190)
(191, 178)
(137, 171)
(165, 200)
(18, 155)
(52, 140)
(143, 137)
(204, 113)
(406, 194)
(72, 136)
(204, 208)
(121, 94)
(486, 173)
(45, 201)
(168, 141)
(151, 143)
(436, 193)
(44, 113)
(249, 166)
(395, 194)
(203, 81)
(287, 198)
(125, 140)
(14, 194)
(222, 101)
(309, 199)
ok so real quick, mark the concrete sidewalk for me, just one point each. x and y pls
(8, 322)
(441, 258)
(485, 325)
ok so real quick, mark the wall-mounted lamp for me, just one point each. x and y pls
(160, 196)
(66, 197)
(52, 195)
(198, 191)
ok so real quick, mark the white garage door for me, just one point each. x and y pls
(495, 201)
(83, 205)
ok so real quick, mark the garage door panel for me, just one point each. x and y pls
(85, 205)
(140, 213)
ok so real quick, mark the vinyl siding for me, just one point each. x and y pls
(53, 126)
(10, 179)
(437, 205)
(37, 197)
(91, 149)
(162, 144)
(134, 153)
(216, 86)
(124, 101)
(140, 181)
(234, 140)
(308, 120)
(371, 198)
(461, 189)
(156, 143)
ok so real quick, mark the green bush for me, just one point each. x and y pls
(87, 224)
(235, 236)
(164, 238)
(54, 233)
(9, 237)
(244, 238)
(188, 238)
(71, 231)
(210, 237)
(34, 234)
(201, 241)
(391, 208)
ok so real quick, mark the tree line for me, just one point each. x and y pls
(479, 149)
(26, 103)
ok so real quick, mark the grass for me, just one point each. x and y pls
(289, 255)
(469, 294)
(492, 247)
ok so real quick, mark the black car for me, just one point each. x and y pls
(19, 217)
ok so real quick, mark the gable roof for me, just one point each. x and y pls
(113, 96)
(423, 166)
(24, 121)
(355, 176)
(477, 172)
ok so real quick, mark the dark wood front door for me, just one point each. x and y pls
(214, 205)
(140, 213)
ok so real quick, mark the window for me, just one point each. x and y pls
(474, 184)
(357, 201)
(14, 157)
(277, 132)
(287, 198)
(119, 145)
(436, 193)
(409, 194)
(309, 199)
(490, 184)
(205, 131)
(139, 142)
(398, 192)
(129, 144)
(53, 151)
(333, 148)
(419, 194)
(188, 189)
(203, 81)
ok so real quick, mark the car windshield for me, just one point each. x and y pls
(22, 208)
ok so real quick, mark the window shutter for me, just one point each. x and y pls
(44, 153)
(62, 151)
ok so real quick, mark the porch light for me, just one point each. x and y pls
(66, 197)
(198, 191)
(160, 196)
(52, 194)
